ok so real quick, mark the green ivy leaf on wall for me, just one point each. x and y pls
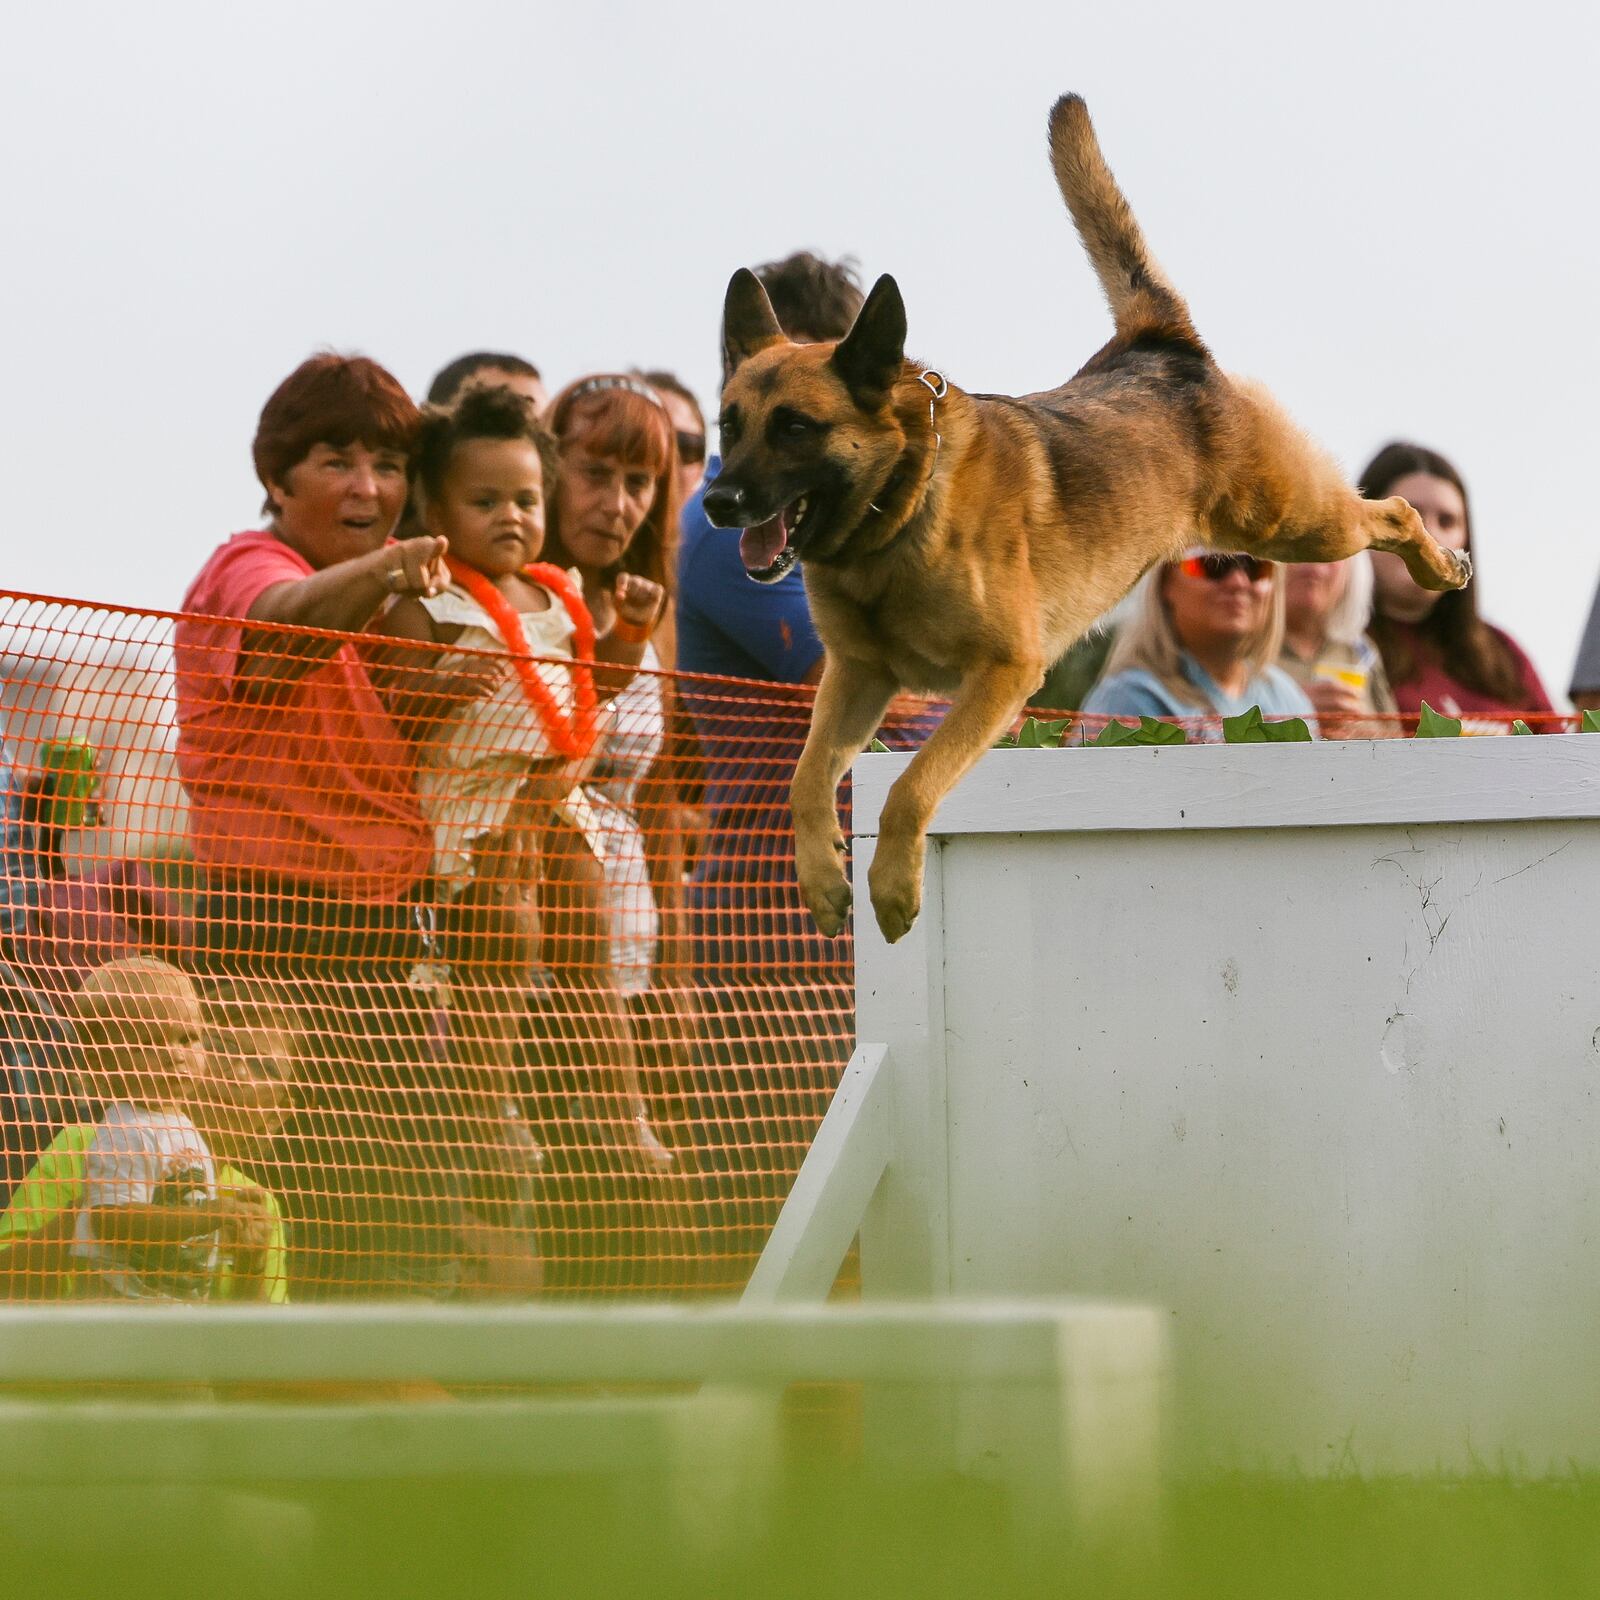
(1432, 726)
(1036, 735)
(1149, 731)
(1250, 727)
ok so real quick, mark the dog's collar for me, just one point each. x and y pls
(937, 387)
(934, 383)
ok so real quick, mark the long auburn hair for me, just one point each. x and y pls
(613, 415)
(1468, 648)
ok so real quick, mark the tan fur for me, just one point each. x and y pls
(965, 568)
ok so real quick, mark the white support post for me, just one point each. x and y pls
(905, 1237)
(834, 1187)
(905, 1233)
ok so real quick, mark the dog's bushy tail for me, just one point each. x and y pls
(1142, 301)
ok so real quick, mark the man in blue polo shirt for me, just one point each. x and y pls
(778, 998)
(727, 624)
(749, 916)
(776, 995)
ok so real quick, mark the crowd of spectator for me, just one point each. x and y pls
(1356, 647)
(477, 818)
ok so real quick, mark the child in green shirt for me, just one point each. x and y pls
(170, 1068)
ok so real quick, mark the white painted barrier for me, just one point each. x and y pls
(1064, 1397)
(1301, 1042)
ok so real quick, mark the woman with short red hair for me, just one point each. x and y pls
(303, 812)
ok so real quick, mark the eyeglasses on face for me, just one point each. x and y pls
(1215, 566)
(691, 448)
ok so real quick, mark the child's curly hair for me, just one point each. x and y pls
(494, 412)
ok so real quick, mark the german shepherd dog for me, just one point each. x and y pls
(957, 543)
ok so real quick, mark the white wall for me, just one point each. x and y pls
(1180, 1026)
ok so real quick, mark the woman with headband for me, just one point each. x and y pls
(613, 520)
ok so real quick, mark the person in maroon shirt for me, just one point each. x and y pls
(1435, 647)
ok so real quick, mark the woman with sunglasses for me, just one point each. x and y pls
(1201, 640)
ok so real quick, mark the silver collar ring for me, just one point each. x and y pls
(934, 383)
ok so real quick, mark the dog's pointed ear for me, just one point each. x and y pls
(749, 323)
(870, 356)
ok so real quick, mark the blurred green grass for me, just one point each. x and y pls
(843, 1531)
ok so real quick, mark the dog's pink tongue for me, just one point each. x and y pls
(761, 545)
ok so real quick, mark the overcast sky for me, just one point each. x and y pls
(1383, 209)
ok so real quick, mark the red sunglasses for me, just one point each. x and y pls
(1217, 567)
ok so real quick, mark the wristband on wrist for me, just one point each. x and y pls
(630, 632)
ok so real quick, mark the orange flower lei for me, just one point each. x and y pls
(572, 736)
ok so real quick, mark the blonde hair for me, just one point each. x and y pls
(1147, 641)
(1347, 620)
(108, 1005)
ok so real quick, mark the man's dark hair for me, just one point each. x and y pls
(664, 382)
(448, 380)
(813, 299)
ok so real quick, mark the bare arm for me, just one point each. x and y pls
(636, 605)
(240, 1215)
(342, 598)
(421, 683)
(135, 1225)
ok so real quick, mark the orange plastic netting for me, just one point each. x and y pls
(332, 970)
(474, 1016)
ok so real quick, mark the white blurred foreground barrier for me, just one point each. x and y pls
(1069, 1393)
(1301, 1042)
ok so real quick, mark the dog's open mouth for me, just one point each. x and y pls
(768, 548)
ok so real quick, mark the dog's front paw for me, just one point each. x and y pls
(830, 904)
(896, 882)
(1463, 568)
(825, 888)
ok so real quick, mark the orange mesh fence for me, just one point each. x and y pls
(333, 968)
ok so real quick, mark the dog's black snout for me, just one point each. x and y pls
(724, 505)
